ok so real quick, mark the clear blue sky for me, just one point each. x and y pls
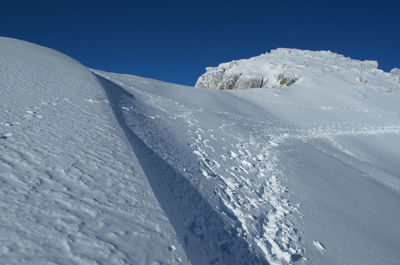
(175, 40)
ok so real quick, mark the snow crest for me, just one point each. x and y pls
(97, 167)
(280, 67)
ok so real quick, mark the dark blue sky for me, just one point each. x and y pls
(175, 40)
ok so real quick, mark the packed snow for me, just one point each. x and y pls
(104, 168)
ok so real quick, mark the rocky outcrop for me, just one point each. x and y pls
(220, 78)
(395, 72)
(286, 80)
(284, 67)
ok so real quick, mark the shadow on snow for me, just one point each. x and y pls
(206, 238)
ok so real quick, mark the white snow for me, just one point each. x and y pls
(72, 190)
(319, 246)
(281, 67)
(97, 167)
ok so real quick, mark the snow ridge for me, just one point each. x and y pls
(280, 67)
(240, 153)
(72, 191)
(250, 168)
(98, 167)
(202, 232)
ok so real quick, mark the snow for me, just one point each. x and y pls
(319, 246)
(72, 190)
(98, 167)
(281, 67)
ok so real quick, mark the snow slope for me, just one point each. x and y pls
(72, 190)
(120, 169)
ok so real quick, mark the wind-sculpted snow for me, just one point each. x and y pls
(117, 169)
(246, 145)
(72, 190)
(235, 172)
(284, 67)
(202, 231)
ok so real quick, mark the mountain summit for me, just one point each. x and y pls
(285, 67)
(106, 168)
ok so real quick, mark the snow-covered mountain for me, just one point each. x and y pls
(284, 67)
(103, 168)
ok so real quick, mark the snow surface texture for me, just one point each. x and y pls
(105, 168)
(72, 190)
(281, 67)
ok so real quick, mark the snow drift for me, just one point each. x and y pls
(72, 190)
(99, 167)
